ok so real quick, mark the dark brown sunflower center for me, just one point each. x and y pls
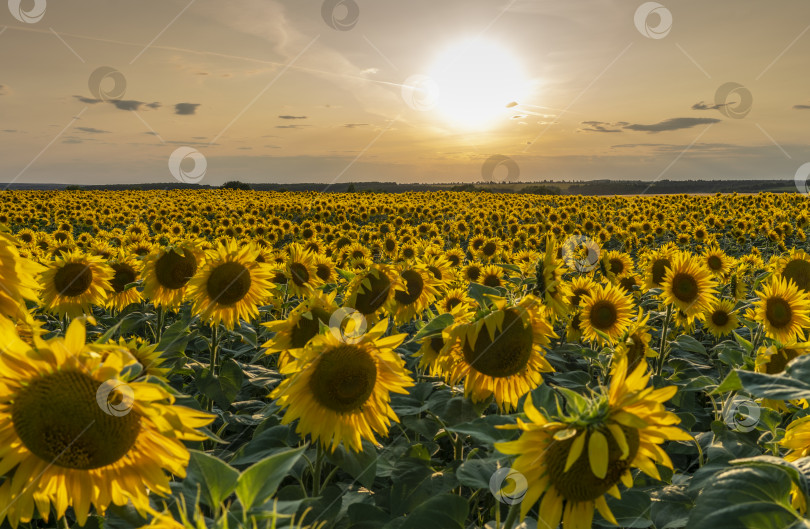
(778, 312)
(323, 272)
(373, 297)
(720, 318)
(437, 343)
(489, 249)
(635, 350)
(473, 273)
(58, 419)
(603, 315)
(505, 355)
(73, 279)
(228, 283)
(659, 270)
(437, 274)
(492, 280)
(578, 293)
(451, 303)
(714, 262)
(307, 328)
(299, 273)
(414, 285)
(579, 482)
(779, 360)
(390, 245)
(173, 270)
(616, 266)
(124, 275)
(799, 271)
(685, 287)
(344, 378)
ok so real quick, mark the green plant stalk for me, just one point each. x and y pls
(662, 347)
(159, 324)
(514, 510)
(316, 474)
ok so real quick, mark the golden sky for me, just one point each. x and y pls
(418, 91)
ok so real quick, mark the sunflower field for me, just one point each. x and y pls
(238, 359)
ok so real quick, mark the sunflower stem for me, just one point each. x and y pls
(214, 348)
(159, 330)
(514, 510)
(316, 474)
(662, 347)
(756, 340)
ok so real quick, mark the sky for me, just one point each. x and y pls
(294, 91)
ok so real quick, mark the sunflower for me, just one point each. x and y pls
(472, 272)
(572, 461)
(340, 392)
(783, 310)
(617, 264)
(440, 267)
(147, 355)
(125, 272)
(721, 319)
(635, 343)
(418, 291)
(688, 285)
(717, 261)
(300, 326)
(76, 433)
(17, 278)
(455, 299)
(658, 261)
(773, 360)
(548, 281)
(167, 273)
(796, 266)
(230, 286)
(73, 283)
(605, 314)
(301, 271)
(325, 269)
(500, 354)
(579, 288)
(432, 347)
(573, 331)
(372, 289)
(493, 275)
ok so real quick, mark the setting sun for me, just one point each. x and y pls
(476, 79)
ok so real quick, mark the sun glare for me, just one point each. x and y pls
(476, 79)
